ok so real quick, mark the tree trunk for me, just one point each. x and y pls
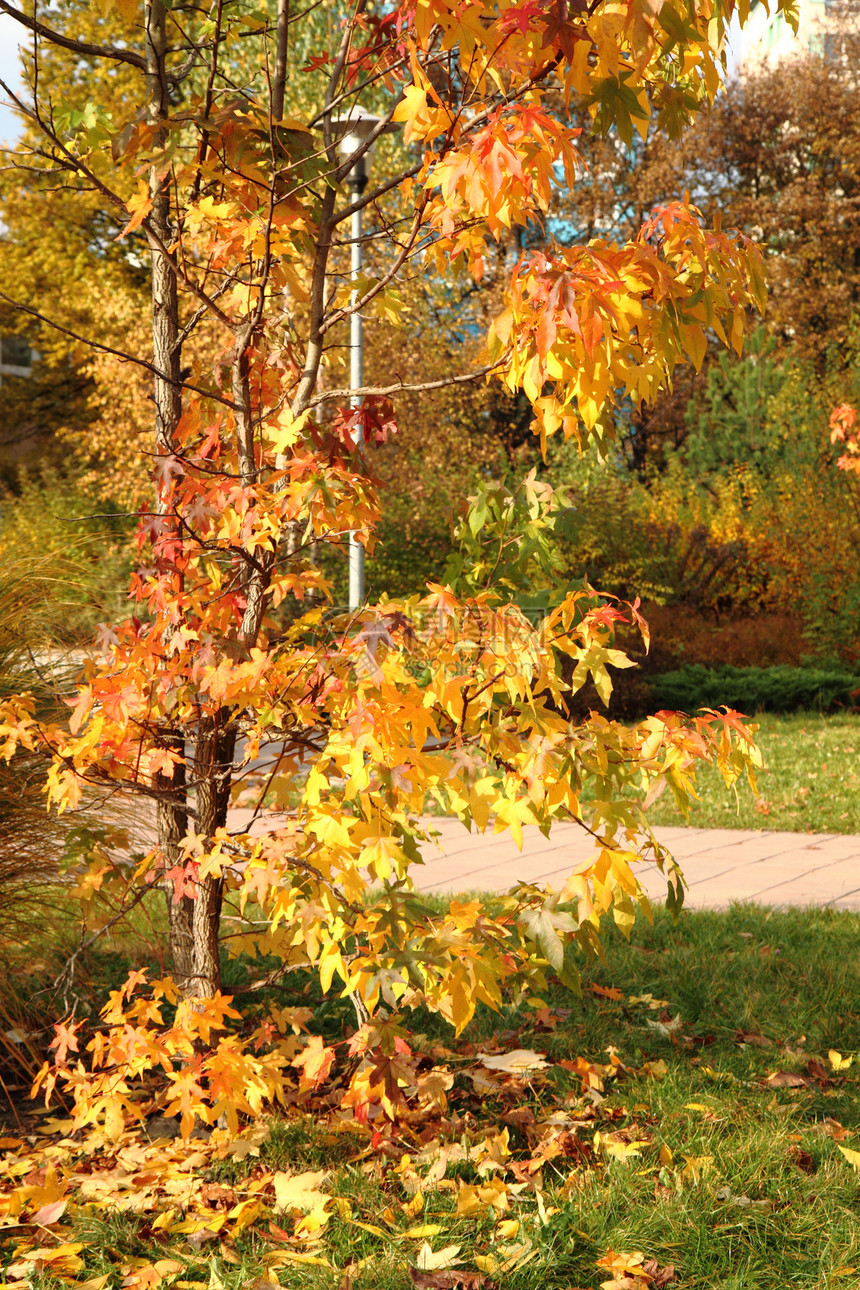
(194, 923)
(213, 772)
(172, 817)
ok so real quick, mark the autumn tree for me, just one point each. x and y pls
(224, 159)
(778, 157)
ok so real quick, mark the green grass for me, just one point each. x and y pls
(811, 781)
(737, 1183)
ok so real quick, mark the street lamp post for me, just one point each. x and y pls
(357, 182)
(357, 128)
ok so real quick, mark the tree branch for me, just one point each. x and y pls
(108, 349)
(378, 391)
(282, 45)
(66, 42)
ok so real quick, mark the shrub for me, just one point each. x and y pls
(754, 689)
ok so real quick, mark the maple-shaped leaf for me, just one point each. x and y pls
(139, 207)
(65, 1040)
(314, 1061)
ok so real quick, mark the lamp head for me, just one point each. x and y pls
(352, 132)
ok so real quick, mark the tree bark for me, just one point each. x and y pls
(172, 827)
(213, 773)
(193, 923)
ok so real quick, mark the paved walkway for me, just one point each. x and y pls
(720, 865)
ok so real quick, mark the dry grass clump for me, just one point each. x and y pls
(35, 915)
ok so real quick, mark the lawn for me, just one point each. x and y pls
(696, 1119)
(811, 781)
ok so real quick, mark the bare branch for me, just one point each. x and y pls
(108, 349)
(380, 391)
(77, 46)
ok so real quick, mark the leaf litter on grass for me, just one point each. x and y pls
(565, 1148)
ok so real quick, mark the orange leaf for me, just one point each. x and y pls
(138, 207)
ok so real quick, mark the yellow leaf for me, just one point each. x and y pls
(163, 1222)
(311, 1225)
(138, 207)
(415, 1205)
(425, 1229)
(838, 1062)
(695, 1166)
(474, 1202)
(428, 1260)
(312, 1260)
(245, 1214)
(369, 1227)
(853, 1157)
(300, 1191)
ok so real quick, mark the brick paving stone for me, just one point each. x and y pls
(720, 865)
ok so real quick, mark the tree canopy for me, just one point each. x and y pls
(199, 152)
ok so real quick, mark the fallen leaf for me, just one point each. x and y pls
(832, 1128)
(657, 1069)
(474, 1202)
(506, 1257)
(659, 1276)
(853, 1157)
(246, 1213)
(725, 1196)
(427, 1260)
(300, 1191)
(751, 1037)
(311, 1260)
(50, 1213)
(369, 1227)
(309, 1227)
(446, 1280)
(786, 1079)
(627, 1270)
(695, 1166)
(200, 1238)
(803, 1160)
(837, 1061)
(665, 1028)
(519, 1062)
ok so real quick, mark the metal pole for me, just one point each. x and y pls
(356, 380)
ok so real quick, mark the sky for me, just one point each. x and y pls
(11, 33)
